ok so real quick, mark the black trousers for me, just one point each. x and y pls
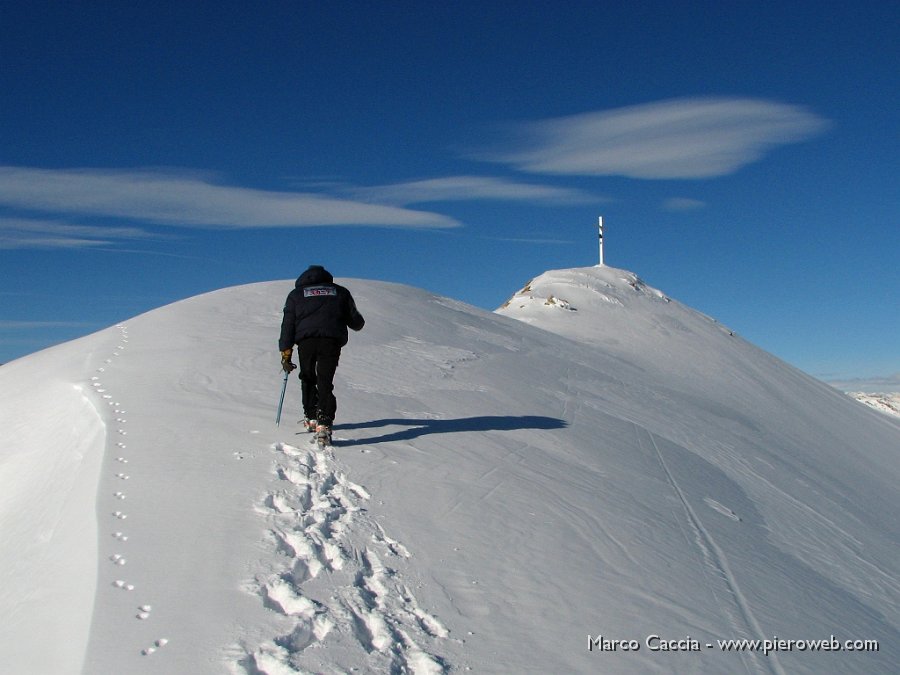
(318, 363)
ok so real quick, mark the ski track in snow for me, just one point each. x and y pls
(733, 602)
(335, 582)
(120, 472)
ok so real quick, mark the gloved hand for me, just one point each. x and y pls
(286, 362)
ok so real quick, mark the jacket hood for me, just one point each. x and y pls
(316, 274)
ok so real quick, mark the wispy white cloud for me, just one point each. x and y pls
(169, 198)
(31, 325)
(877, 384)
(473, 188)
(683, 204)
(541, 241)
(43, 242)
(680, 138)
(21, 233)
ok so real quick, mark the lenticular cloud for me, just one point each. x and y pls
(173, 199)
(681, 138)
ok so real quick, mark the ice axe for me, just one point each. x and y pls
(281, 399)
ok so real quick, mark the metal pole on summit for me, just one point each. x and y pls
(600, 234)
(281, 399)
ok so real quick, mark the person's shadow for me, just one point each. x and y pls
(420, 427)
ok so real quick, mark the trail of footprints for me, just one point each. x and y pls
(334, 587)
(336, 584)
(142, 612)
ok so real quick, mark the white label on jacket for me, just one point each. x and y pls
(313, 291)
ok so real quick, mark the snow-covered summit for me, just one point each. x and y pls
(613, 309)
(588, 286)
(668, 344)
(624, 469)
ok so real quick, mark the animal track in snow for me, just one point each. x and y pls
(161, 642)
(334, 579)
(118, 422)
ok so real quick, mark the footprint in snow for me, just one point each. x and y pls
(314, 519)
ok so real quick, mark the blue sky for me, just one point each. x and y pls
(744, 156)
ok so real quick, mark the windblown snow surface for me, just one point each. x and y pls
(516, 492)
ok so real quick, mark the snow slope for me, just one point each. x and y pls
(499, 492)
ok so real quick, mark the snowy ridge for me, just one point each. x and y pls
(621, 467)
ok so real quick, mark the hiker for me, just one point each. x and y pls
(317, 314)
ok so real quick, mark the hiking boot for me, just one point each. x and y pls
(323, 434)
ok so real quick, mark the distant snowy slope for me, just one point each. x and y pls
(498, 492)
(888, 404)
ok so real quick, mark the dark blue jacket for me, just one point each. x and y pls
(318, 307)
